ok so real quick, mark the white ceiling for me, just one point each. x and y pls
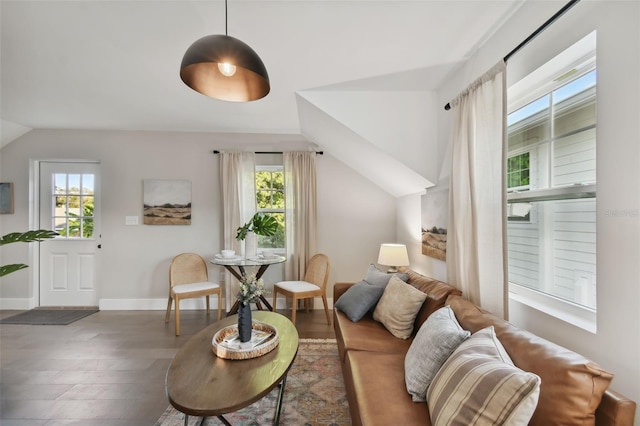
(114, 64)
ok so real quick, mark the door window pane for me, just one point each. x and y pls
(73, 205)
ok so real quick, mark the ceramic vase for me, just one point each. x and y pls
(251, 245)
(244, 322)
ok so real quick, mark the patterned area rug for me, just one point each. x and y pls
(314, 394)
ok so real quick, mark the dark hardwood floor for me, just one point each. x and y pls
(107, 369)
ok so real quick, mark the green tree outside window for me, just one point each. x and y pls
(270, 201)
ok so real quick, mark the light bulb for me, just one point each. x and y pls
(226, 69)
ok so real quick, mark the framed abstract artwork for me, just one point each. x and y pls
(166, 202)
(435, 217)
(6, 197)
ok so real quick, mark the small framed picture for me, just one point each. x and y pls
(6, 198)
(166, 202)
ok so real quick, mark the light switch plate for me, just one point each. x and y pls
(131, 220)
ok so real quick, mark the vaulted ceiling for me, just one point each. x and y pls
(357, 78)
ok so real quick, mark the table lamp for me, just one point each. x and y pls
(393, 255)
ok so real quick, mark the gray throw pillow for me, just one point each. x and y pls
(436, 340)
(358, 300)
(378, 278)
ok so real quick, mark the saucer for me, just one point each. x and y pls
(221, 257)
(261, 256)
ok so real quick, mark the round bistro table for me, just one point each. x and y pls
(240, 263)
(198, 383)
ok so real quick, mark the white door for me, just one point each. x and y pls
(69, 204)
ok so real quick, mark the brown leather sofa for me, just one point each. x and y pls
(572, 386)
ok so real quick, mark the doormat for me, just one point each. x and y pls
(60, 316)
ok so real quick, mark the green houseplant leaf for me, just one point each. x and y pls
(27, 237)
(7, 269)
(22, 237)
(260, 224)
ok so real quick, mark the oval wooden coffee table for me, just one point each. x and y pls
(198, 383)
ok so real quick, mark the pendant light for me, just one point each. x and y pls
(223, 67)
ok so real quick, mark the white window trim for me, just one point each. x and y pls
(578, 315)
(557, 193)
(578, 60)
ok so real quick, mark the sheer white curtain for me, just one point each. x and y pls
(476, 246)
(237, 179)
(301, 211)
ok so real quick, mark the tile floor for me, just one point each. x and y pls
(107, 369)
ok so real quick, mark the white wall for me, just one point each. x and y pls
(355, 216)
(616, 345)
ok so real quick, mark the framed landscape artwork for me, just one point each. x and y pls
(435, 217)
(166, 202)
(6, 198)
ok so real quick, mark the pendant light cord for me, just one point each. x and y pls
(225, 18)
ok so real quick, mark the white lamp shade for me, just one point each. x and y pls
(393, 255)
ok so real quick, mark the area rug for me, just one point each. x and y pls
(60, 316)
(314, 394)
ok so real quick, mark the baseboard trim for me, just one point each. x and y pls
(21, 304)
(317, 303)
(17, 304)
(155, 304)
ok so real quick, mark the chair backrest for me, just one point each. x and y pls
(318, 270)
(187, 268)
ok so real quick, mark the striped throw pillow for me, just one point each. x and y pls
(479, 385)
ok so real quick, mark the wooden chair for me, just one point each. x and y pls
(189, 278)
(314, 284)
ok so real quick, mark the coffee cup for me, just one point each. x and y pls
(228, 253)
(267, 253)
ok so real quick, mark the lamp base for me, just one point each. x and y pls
(392, 270)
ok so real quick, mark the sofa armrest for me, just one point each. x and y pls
(339, 289)
(615, 410)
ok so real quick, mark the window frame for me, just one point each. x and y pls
(577, 314)
(271, 168)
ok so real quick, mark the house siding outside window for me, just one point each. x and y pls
(551, 176)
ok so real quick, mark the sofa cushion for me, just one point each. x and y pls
(377, 393)
(365, 335)
(572, 385)
(479, 384)
(438, 337)
(437, 292)
(376, 277)
(359, 299)
(398, 307)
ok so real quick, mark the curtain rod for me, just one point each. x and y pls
(533, 35)
(215, 151)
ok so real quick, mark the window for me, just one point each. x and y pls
(73, 205)
(518, 173)
(270, 200)
(551, 176)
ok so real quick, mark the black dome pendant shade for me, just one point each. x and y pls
(223, 67)
(202, 68)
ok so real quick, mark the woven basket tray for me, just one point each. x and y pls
(229, 351)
